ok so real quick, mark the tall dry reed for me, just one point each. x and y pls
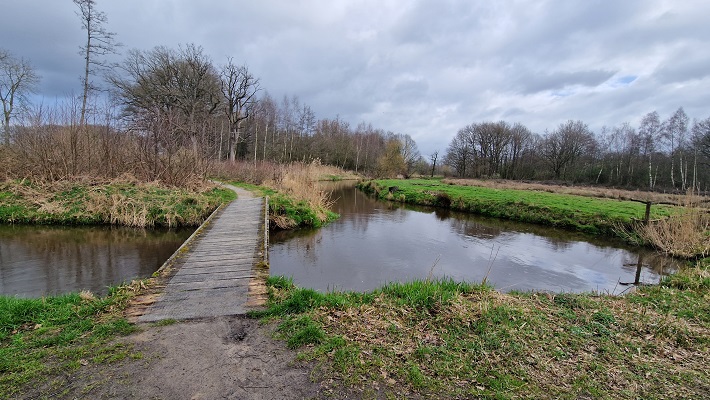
(300, 181)
(297, 180)
(684, 234)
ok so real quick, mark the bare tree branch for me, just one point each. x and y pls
(99, 42)
(17, 80)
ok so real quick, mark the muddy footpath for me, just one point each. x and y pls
(218, 358)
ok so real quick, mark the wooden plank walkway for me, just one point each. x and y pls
(221, 271)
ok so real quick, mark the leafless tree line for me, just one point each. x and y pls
(669, 154)
(172, 114)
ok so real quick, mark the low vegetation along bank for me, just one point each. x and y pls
(586, 214)
(117, 203)
(443, 339)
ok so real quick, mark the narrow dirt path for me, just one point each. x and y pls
(218, 358)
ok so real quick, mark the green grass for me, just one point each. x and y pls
(449, 339)
(119, 203)
(44, 338)
(585, 214)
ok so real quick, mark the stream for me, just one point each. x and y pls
(41, 260)
(376, 242)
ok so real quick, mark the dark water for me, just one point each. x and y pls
(41, 260)
(377, 242)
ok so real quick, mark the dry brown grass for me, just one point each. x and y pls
(300, 181)
(122, 201)
(684, 234)
(297, 180)
(558, 349)
(587, 191)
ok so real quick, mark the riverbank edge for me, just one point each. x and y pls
(456, 340)
(520, 211)
(119, 203)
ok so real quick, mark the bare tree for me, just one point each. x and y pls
(99, 42)
(701, 138)
(410, 152)
(675, 130)
(561, 147)
(701, 147)
(459, 153)
(17, 80)
(650, 132)
(239, 88)
(520, 140)
(171, 97)
(433, 157)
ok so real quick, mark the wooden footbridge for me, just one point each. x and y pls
(221, 269)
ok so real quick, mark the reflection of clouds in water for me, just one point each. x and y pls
(37, 260)
(388, 243)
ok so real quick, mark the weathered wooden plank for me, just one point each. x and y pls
(217, 276)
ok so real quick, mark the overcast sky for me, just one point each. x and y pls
(425, 68)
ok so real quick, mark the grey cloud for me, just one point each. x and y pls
(410, 88)
(559, 80)
(684, 68)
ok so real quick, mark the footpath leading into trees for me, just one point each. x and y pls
(220, 271)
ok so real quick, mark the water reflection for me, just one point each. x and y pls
(43, 260)
(378, 242)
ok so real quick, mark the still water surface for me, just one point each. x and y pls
(44, 260)
(376, 242)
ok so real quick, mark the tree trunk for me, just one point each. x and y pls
(85, 95)
(256, 141)
(6, 128)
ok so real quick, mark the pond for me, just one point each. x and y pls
(376, 242)
(37, 261)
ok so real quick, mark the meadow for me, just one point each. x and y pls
(582, 213)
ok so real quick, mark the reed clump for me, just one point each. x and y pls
(295, 197)
(300, 182)
(683, 234)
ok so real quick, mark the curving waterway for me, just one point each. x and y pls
(376, 242)
(37, 261)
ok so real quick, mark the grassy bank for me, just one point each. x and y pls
(585, 214)
(117, 203)
(445, 339)
(286, 212)
(43, 340)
